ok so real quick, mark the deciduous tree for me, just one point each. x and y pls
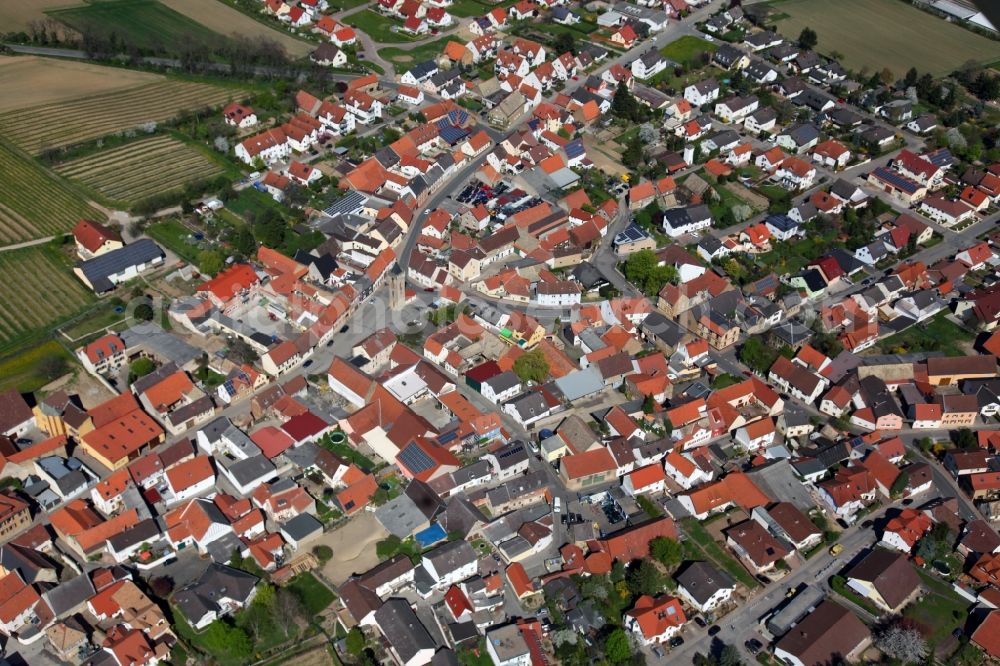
(808, 38)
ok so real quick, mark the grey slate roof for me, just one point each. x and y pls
(702, 580)
(302, 526)
(451, 556)
(401, 516)
(217, 582)
(403, 629)
(503, 382)
(66, 597)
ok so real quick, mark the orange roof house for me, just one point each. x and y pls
(94, 238)
(122, 431)
(357, 495)
(735, 488)
(229, 283)
(903, 531)
(655, 620)
(84, 530)
(633, 543)
(584, 468)
(184, 477)
(519, 581)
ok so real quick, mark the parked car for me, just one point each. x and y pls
(836, 549)
(345, 329)
(700, 621)
(676, 641)
(714, 629)
(753, 646)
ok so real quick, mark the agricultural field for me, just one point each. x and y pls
(17, 16)
(225, 20)
(884, 33)
(42, 127)
(42, 274)
(147, 24)
(29, 370)
(41, 81)
(34, 203)
(141, 169)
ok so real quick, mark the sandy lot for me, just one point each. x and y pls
(225, 20)
(603, 155)
(15, 15)
(41, 81)
(353, 547)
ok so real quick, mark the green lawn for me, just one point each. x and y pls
(313, 594)
(378, 27)
(792, 256)
(211, 378)
(940, 611)
(427, 51)
(341, 5)
(349, 453)
(726, 201)
(700, 540)
(176, 237)
(96, 320)
(839, 585)
(465, 8)
(687, 49)
(147, 24)
(936, 334)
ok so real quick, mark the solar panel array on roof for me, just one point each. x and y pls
(423, 70)
(896, 180)
(458, 117)
(574, 148)
(353, 202)
(940, 158)
(631, 234)
(511, 451)
(100, 269)
(450, 133)
(415, 460)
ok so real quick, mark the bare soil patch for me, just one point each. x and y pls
(225, 20)
(16, 15)
(604, 156)
(40, 81)
(353, 547)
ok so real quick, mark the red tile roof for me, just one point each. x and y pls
(92, 235)
(656, 616)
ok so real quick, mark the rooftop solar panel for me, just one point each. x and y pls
(898, 180)
(415, 460)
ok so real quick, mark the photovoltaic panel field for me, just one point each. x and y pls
(35, 203)
(141, 169)
(39, 291)
(39, 128)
